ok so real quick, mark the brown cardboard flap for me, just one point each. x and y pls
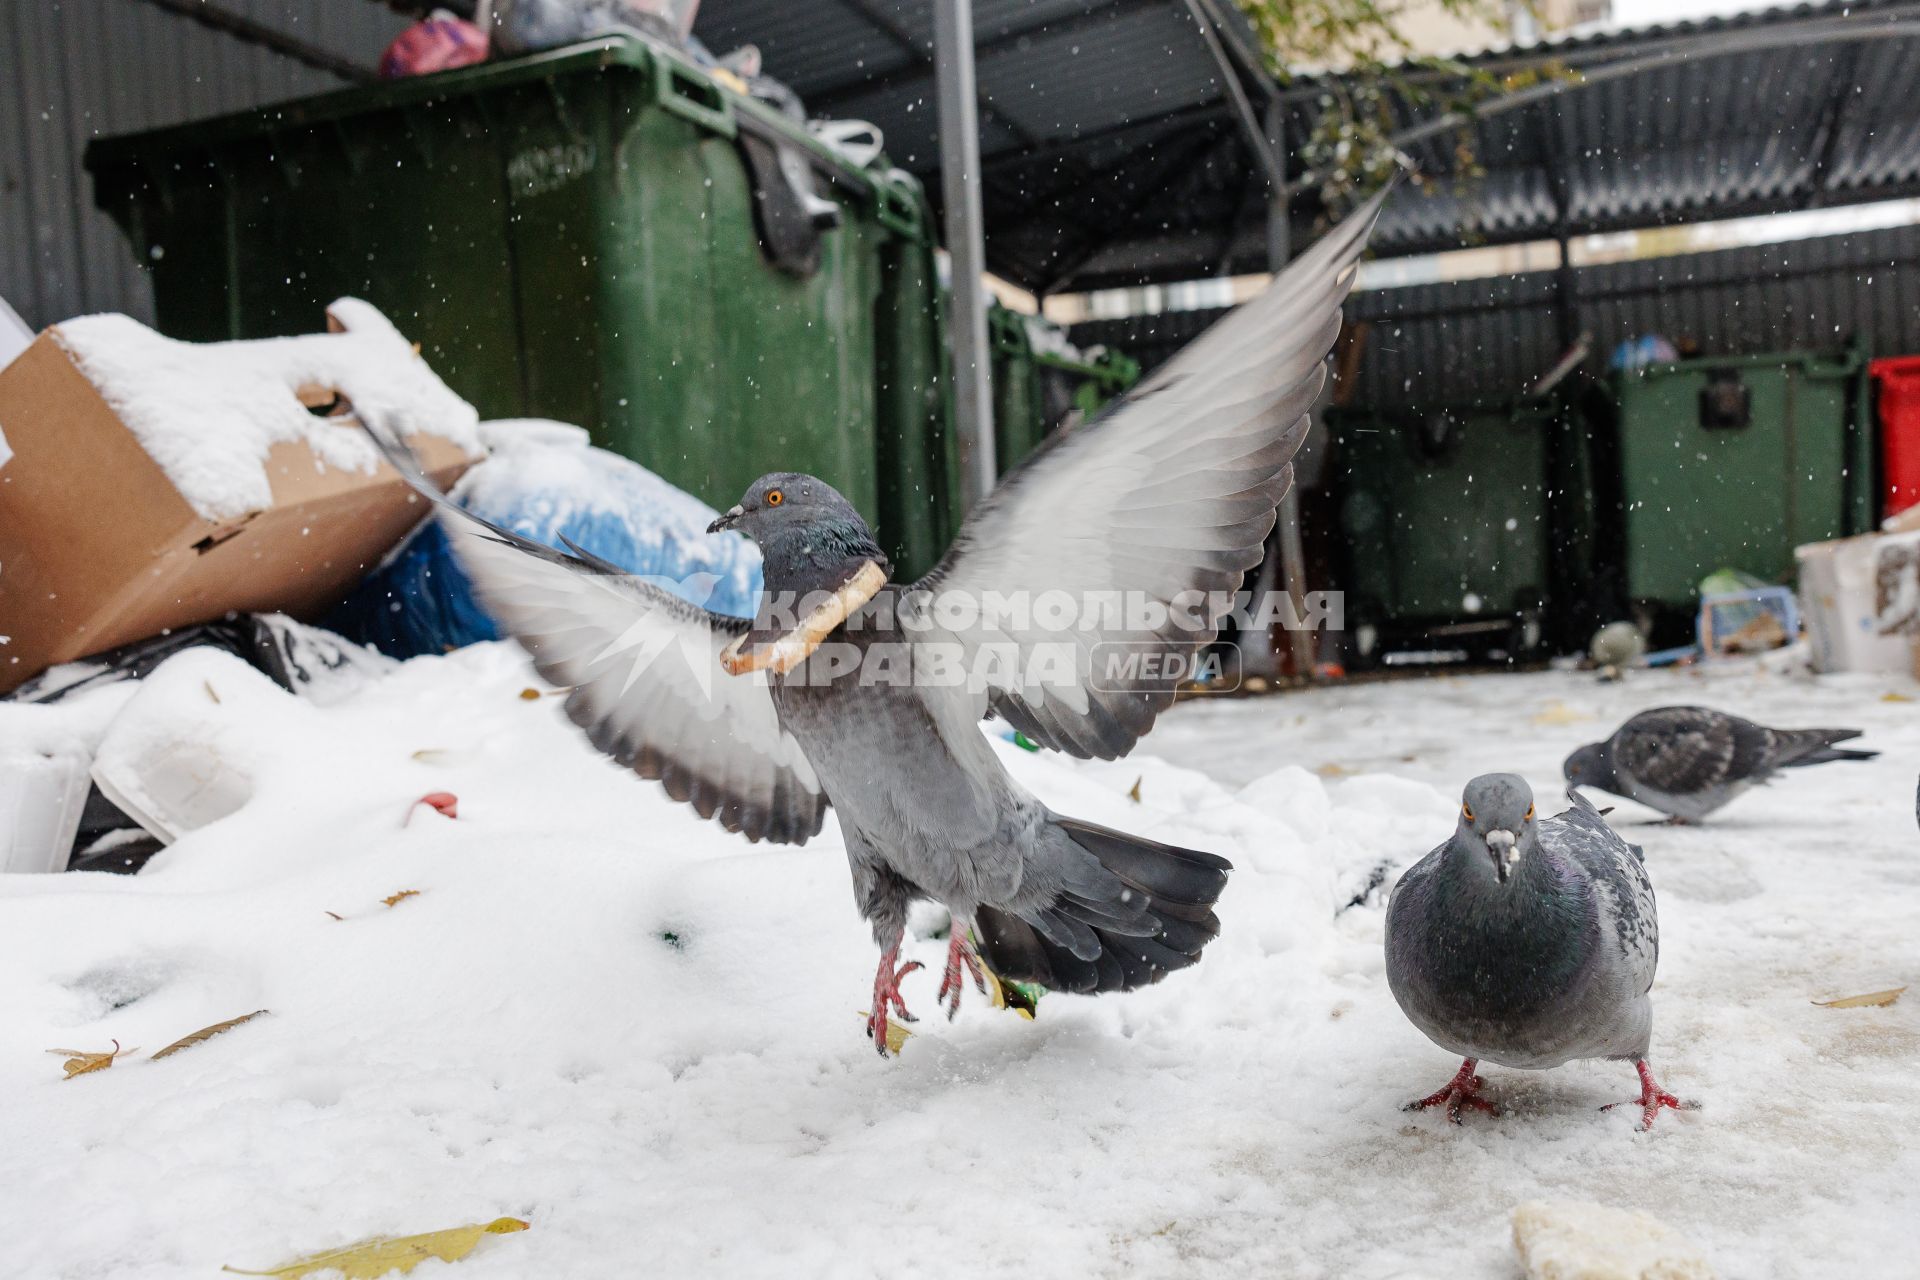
(97, 547)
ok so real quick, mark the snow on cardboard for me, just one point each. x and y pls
(156, 483)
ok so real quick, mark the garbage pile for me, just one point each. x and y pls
(164, 496)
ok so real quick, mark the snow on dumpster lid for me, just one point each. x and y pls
(208, 413)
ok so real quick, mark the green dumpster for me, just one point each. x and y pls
(1035, 388)
(1464, 529)
(579, 235)
(1732, 463)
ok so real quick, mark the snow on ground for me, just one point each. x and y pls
(520, 1038)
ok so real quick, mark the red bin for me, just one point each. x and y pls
(1896, 382)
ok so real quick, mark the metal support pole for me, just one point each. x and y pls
(1293, 553)
(960, 185)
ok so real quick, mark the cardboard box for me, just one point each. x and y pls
(99, 547)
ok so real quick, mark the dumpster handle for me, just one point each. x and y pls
(692, 96)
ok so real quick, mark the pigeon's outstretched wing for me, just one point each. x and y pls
(1684, 751)
(1166, 497)
(643, 675)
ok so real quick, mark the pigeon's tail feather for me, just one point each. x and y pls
(1128, 916)
(1796, 748)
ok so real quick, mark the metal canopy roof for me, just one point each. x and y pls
(1112, 152)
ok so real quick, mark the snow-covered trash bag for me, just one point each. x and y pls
(544, 481)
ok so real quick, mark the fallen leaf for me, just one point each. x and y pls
(401, 896)
(1872, 1000)
(897, 1035)
(529, 695)
(1134, 793)
(80, 1061)
(208, 685)
(207, 1033)
(335, 914)
(1331, 770)
(383, 1255)
(1895, 697)
(1558, 712)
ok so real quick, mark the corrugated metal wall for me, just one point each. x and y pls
(72, 70)
(1486, 340)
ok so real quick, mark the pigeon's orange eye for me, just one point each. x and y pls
(1529, 817)
(1466, 811)
(775, 497)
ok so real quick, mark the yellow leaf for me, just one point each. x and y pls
(400, 897)
(897, 1035)
(1895, 697)
(1872, 1000)
(1558, 712)
(529, 695)
(1134, 794)
(81, 1061)
(382, 1255)
(206, 1033)
(1331, 770)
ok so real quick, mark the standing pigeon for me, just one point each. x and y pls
(853, 691)
(1688, 761)
(1527, 943)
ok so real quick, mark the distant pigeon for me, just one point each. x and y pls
(1688, 761)
(851, 700)
(1527, 943)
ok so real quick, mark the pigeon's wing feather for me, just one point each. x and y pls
(1618, 873)
(643, 675)
(642, 670)
(1167, 497)
(1683, 750)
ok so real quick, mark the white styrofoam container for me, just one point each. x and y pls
(1837, 608)
(41, 796)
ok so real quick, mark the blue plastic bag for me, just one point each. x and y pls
(544, 481)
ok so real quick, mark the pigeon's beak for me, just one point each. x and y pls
(730, 519)
(1505, 848)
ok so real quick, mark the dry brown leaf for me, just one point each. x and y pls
(383, 1255)
(1872, 1000)
(210, 691)
(335, 914)
(401, 896)
(206, 1033)
(529, 694)
(81, 1061)
(1134, 793)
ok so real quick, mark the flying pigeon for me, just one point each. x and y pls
(1688, 761)
(1526, 943)
(843, 691)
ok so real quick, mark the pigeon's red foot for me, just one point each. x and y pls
(887, 1000)
(1461, 1091)
(959, 957)
(1652, 1098)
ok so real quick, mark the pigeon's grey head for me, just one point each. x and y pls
(1590, 766)
(1497, 822)
(790, 501)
